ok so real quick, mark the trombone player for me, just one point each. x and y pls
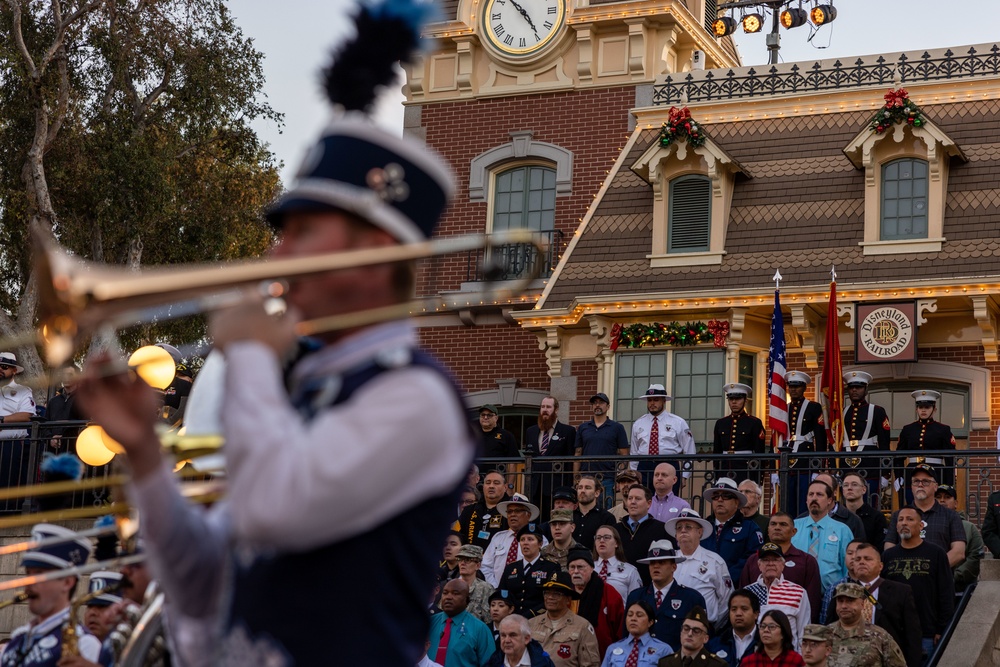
(302, 518)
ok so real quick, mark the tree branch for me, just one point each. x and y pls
(15, 8)
(143, 106)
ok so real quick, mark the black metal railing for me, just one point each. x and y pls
(512, 261)
(782, 80)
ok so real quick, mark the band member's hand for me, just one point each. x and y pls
(127, 408)
(75, 661)
(249, 321)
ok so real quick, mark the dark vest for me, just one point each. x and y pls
(333, 603)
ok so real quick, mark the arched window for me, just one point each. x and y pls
(904, 200)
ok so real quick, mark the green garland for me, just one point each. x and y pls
(680, 125)
(678, 334)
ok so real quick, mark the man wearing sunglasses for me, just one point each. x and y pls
(16, 406)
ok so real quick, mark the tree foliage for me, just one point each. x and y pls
(125, 127)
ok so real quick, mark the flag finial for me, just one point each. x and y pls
(777, 279)
(833, 274)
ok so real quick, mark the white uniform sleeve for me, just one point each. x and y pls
(636, 440)
(634, 580)
(488, 567)
(25, 401)
(723, 588)
(89, 647)
(401, 439)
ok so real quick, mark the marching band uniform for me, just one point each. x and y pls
(866, 429)
(807, 433)
(739, 435)
(926, 434)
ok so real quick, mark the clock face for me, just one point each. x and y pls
(522, 27)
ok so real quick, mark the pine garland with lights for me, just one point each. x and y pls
(676, 334)
(680, 125)
(898, 109)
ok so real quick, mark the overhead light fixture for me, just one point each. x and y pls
(793, 17)
(822, 14)
(723, 26)
(753, 23)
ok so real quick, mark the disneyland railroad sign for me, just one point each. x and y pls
(886, 331)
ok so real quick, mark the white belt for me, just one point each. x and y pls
(741, 451)
(925, 459)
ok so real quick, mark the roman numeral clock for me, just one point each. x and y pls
(520, 28)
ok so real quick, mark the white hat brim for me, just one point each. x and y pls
(671, 525)
(502, 508)
(709, 495)
(666, 397)
(677, 558)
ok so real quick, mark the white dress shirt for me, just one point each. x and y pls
(674, 436)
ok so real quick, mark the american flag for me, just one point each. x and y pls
(777, 412)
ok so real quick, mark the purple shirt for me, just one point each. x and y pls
(666, 509)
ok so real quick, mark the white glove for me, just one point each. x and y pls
(883, 482)
(774, 479)
(898, 484)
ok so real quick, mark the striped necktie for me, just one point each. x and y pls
(545, 443)
(814, 540)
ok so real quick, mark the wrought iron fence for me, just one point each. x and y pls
(782, 80)
(511, 261)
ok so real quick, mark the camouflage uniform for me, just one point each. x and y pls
(570, 641)
(479, 600)
(866, 645)
(704, 658)
(551, 552)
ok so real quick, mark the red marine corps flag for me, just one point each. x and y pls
(832, 383)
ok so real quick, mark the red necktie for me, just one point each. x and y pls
(545, 443)
(512, 552)
(604, 571)
(633, 656)
(718, 530)
(659, 598)
(443, 645)
(654, 438)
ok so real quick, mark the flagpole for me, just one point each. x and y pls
(777, 288)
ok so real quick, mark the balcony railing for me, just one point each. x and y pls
(513, 261)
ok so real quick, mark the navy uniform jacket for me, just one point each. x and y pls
(806, 426)
(478, 524)
(677, 602)
(740, 539)
(524, 583)
(41, 645)
(636, 545)
(927, 435)
(724, 647)
(855, 424)
(742, 435)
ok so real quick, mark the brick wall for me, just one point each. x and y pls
(481, 355)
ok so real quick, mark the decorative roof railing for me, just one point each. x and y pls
(876, 71)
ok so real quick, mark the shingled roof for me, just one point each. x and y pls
(802, 212)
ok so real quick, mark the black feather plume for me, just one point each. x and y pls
(387, 33)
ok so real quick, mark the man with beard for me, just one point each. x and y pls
(942, 526)
(837, 511)
(821, 537)
(625, 480)
(740, 638)
(866, 429)
(457, 638)
(505, 548)
(16, 406)
(567, 637)
(740, 435)
(589, 515)
(659, 434)
(601, 436)
(600, 604)
(39, 643)
(751, 510)
(548, 438)
(496, 442)
(924, 566)
(479, 522)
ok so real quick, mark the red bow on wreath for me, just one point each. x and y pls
(720, 331)
(896, 98)
(678, 115)
(616, 332)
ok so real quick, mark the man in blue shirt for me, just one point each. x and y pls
(821, 537)
(457, 638)
(601, 436)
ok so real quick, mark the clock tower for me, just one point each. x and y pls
(529, 101)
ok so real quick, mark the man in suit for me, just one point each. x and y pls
(549, 438)
(639, 529)
(893, 608)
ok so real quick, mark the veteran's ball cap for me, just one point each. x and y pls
(561, 516)
(531, 528)
(925, 468)
(849, 590)
(698, 614)
(580, 554)
(600, 396)
(770, 549)
(564, 493)
(817, 633)
(100, 581)
(562, 582)
(629, 476)
(857, 378)
(470, 551)
(70, 551)
(947, 490)
(489, 407)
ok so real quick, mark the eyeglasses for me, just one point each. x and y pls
(770, 627)
(603, 538)
(922, 482)
(6, 367)
(687, 629)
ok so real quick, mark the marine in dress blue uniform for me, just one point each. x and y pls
(739, 436)
(675, 600)
(925, 434)
(39, 643)
(807, 433)
(866, 429)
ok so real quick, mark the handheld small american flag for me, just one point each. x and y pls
(777, 412)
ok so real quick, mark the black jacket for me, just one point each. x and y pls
(898, 616)
(636, 545)
(536, 654)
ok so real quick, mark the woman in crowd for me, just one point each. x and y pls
(609, 562)
(639, 646)
(774, 645)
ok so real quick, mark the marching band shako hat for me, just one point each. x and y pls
(797, 377)
(857, 378)
(736, 390)
(656, 391)
(926, 396)
(100, 581)
(687, 514)
(562, 582)
(69, 553)
(396, 184)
